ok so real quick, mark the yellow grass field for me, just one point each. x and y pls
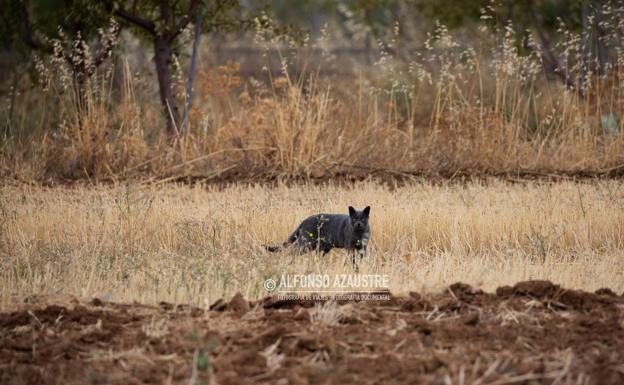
(151, 243)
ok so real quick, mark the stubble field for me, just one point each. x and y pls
(182, 244)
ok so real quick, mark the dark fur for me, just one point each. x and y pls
(323, 232)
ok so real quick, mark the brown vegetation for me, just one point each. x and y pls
(451, 111)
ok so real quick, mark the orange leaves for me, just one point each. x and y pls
(221, 80)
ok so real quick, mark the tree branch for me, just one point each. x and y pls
(547, 53)
(147, 25)
(166, 15)
(29, 39)
(183, 22)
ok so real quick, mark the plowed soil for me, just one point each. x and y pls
(532, 333)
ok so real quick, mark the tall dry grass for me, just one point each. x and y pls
(484, 107)
(177, 243)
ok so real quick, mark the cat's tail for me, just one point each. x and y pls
(289, 241)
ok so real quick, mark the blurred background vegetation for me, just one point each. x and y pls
(108, 90)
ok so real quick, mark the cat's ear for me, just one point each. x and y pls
(352, 212)
(366, 211)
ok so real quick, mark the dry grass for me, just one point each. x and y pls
(195, 244)
(483, 107)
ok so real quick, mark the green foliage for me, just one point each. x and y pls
(449, 12)
(169, 18)
(33, 24)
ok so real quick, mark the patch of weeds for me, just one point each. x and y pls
(202, 362)
(201, 369)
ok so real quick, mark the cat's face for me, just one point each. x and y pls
(359, 219)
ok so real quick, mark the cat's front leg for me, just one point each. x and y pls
(354, 260)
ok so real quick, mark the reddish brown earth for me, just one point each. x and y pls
(532, 333)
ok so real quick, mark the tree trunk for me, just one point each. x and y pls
(162, 58)
(586, 50)
(191, 76)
